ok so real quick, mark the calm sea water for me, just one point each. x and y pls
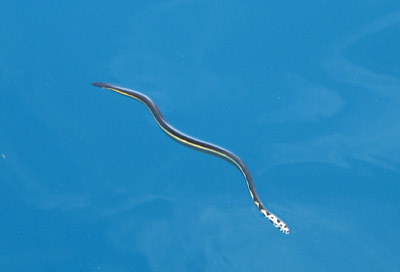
(306, 93)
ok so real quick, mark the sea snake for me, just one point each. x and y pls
(201, 146)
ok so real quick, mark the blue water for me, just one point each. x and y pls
(306, 93)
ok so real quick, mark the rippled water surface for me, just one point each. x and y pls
(306, 93)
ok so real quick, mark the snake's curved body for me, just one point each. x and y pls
(199, 145)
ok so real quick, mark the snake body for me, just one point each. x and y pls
(201, 146)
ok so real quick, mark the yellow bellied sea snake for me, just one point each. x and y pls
(199, 145)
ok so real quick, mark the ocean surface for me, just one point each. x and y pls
(306, 93)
